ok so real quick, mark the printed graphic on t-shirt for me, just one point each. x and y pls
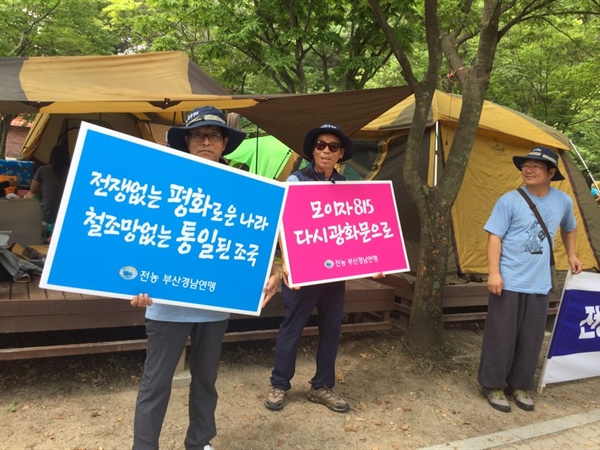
(535, 237)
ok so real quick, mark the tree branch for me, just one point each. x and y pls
(405, 66)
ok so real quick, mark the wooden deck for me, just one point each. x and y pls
(462, 302)
(26, 308)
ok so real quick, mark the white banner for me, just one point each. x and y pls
(574, 350)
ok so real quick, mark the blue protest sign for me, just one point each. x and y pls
(139, 217)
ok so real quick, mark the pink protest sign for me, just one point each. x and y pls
(341, 231)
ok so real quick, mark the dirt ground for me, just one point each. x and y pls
(398, 401)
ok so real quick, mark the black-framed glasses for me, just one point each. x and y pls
(333, 146)
(213, 136)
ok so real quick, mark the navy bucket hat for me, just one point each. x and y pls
(328, 128)
(203, 117)
(542, 154)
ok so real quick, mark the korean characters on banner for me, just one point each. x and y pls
(341, 231)
(139, 217)
(574, 350)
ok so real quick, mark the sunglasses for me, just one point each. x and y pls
(322, 145)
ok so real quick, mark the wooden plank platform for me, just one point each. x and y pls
(461, 302)
(26, 308)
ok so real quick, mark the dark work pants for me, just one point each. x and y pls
(166, 341)
(512, 340)
(328, 298)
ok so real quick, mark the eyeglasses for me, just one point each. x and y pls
(213, 136)
(532, 167)
(322, 145)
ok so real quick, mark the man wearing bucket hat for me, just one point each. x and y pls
(206, 135)
(324, 147)
(519, 278)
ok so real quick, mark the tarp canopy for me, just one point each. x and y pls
(289, 117)
(164, 86)
(147, 82)
(490, 172)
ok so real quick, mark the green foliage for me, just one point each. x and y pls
(54, 28)
(266, 46)
(548, 70)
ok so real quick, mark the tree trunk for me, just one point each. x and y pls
(425, 330)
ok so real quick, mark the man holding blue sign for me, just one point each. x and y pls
(521, 233)
(206, 135)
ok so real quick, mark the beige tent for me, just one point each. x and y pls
(490, 173)
(49, 129)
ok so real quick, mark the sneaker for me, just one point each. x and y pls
(208, 447)
(522, 398)
(496, 399)
(275, 399)
(325, 396)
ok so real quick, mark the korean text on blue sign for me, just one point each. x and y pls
(139, 217)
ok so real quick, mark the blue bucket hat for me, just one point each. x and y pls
(542, 154)
(327, 128)
(203, 117)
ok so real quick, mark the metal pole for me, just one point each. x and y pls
(584, 164)
(436, 154)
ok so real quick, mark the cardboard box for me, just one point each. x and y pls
(23, 170)
(35, 251)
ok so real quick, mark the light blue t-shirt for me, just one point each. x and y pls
(525, 256)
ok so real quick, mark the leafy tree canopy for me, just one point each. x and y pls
(54, 28)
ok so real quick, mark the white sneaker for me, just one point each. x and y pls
(208, 447)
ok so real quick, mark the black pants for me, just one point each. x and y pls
(328, 298)
(512, 340)
(166, 341)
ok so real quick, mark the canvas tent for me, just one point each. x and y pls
(490, 173)
(47, 130)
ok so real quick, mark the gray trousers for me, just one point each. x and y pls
(166, 341)
(512, 340)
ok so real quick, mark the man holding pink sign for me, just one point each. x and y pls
(324, 147)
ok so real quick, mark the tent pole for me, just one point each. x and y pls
(436, 153)
(584, 164)
(289, 150)
(256, 158)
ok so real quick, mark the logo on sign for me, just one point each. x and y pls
(128, 273)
